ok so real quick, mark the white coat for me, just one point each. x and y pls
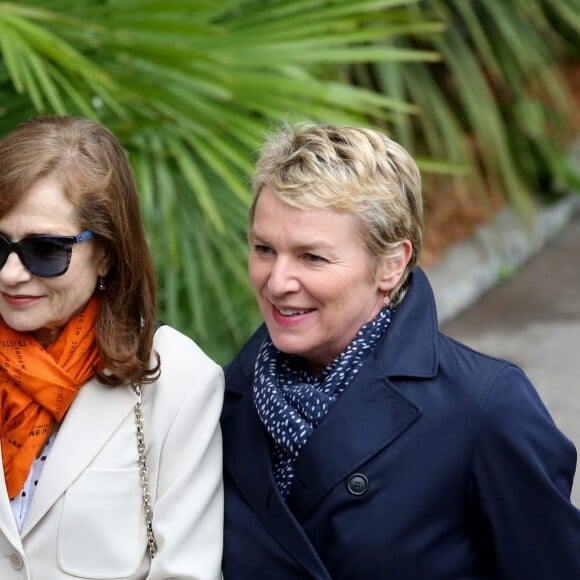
(86, 518)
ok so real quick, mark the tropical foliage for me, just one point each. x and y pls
(190, 86)
(496, 102)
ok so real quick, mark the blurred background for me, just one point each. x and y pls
(484, 93)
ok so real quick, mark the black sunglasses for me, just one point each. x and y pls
(46, 256)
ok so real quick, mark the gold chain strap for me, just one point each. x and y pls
(147, 507)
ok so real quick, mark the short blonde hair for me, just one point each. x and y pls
(351, 170)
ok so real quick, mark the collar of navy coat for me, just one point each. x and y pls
(366, 418)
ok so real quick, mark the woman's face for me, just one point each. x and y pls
(313, 278)
(42, 306)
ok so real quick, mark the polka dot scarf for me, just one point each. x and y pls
(291, 403)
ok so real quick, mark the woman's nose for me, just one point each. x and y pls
(14, 271)
(283, 278)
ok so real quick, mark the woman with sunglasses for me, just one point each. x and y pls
(110, 439)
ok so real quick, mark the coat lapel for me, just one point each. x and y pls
(252, 474)
(366, 418)
(8, 526)
(89, 423)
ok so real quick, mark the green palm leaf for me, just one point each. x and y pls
(191, 86)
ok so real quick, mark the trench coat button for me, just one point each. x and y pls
(16, 561)
(357, 484)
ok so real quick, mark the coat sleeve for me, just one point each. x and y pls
(523, 469)
(188, 508)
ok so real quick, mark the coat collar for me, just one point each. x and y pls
(410, 346)
(367, 417)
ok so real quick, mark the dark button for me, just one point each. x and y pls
(357, 484)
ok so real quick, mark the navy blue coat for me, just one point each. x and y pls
(437, 463)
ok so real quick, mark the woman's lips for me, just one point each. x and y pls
(18, 299)
(289, 316)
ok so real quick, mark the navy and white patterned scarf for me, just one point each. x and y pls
(291, 402)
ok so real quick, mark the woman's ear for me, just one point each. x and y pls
(103, 262)
(393, 266)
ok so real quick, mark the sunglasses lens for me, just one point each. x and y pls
(44, 256)
(4, 251)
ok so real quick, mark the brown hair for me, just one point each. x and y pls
(96, 176)
(350, 170)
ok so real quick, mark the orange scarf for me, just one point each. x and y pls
(37, 386)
